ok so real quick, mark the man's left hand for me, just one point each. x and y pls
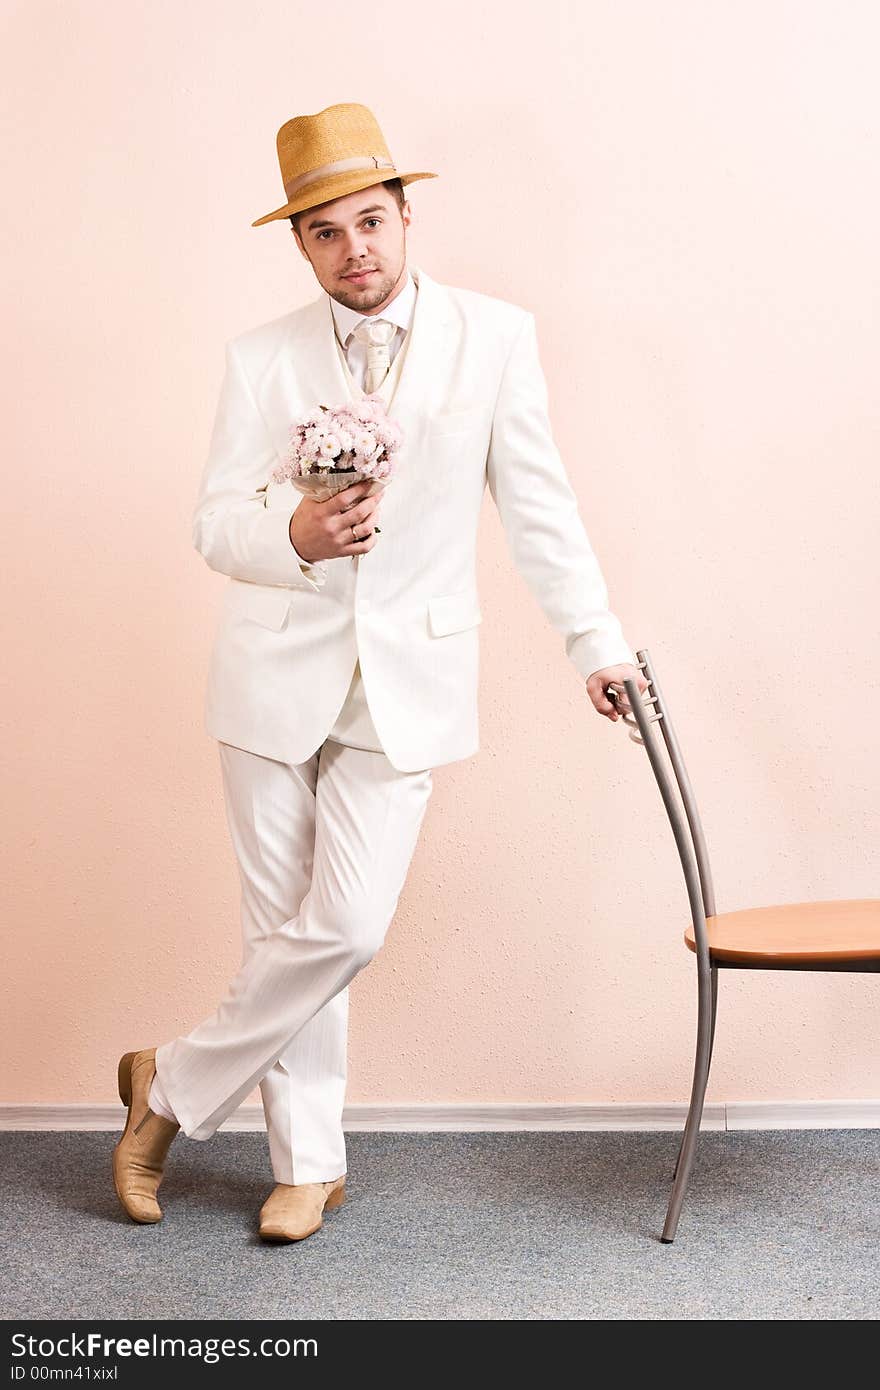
(597, 682)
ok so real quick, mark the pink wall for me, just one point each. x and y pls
(686, 196)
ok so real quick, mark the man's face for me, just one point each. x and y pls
(364, 231)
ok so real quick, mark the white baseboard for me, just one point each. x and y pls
(729, 1115)
(803, 1114)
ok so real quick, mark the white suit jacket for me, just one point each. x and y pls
(472, 403)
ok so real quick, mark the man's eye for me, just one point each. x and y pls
(329, 232)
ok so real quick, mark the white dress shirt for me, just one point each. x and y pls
(399, 312)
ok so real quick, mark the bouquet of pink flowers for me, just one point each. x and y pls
(333, 447)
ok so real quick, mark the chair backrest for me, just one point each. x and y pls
(646, 710)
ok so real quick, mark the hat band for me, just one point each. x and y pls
(340, 166)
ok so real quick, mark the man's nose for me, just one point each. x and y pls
(358, 243)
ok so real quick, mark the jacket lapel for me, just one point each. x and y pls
(422, 381)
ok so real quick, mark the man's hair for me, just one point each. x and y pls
(394, 186)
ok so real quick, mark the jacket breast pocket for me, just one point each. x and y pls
(445, 423)
(454, 612)
(261, 604)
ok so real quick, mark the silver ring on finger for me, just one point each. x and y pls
(354, 533)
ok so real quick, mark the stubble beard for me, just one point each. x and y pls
(365, 300)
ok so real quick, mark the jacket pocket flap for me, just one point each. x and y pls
(267, 606)
(454, 612)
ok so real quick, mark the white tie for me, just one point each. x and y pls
(376, 335)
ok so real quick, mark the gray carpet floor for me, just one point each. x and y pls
(566, 1225)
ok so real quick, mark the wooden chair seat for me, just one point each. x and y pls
(789, 935)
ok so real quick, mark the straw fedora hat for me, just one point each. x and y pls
(334, 152)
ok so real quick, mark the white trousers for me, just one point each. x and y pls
(323, 849)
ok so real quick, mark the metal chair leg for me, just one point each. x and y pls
(714, 987)
(707, 997)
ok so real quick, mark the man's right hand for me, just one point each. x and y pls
(323, 530)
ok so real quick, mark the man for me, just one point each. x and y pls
(345, 665)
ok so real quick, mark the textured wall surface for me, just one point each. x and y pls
(686, 197)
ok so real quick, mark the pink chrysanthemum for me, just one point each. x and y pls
(359, 435)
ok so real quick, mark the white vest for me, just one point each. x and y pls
(354, 725)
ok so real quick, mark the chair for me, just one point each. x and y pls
(842, 934)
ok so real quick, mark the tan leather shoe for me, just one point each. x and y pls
(292, 1212)
(139, 1157)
